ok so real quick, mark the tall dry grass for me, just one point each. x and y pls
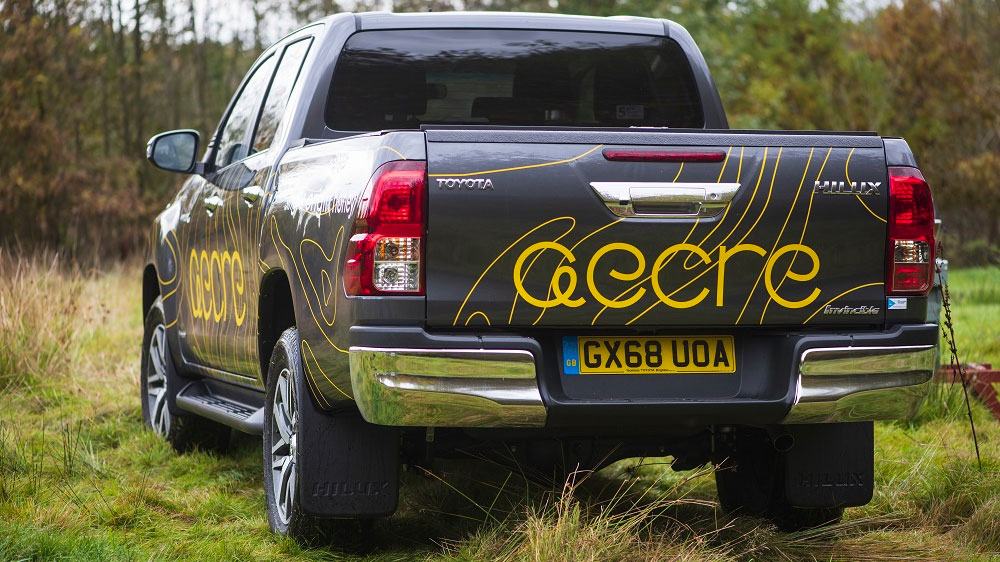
(40, 302)
(592, 518)
(645, 512)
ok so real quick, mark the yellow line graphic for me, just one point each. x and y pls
(679, 170)
(760, 176)
(802, 235)
(563, 260)
(400, 154)
(320, 295)
(495, 260)
(739, 171)
(848, 176)
(510, 319)
(173, 252)
(515, 168)
(276, 238)
(307, 347)
(478, 313)
(795, 200)
(724, 162)
(648, 277)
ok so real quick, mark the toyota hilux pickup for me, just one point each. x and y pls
(532, 238)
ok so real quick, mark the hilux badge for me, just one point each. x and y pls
(847, 188)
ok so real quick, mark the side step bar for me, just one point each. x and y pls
(239, 408)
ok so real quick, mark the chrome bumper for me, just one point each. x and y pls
(498, 388)
(844, 384)
(446, 387)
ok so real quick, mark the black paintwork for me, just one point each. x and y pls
(657, 137)
(477, 236)
(296, 231)
(897, 153)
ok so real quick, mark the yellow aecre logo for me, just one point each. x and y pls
(563, 289)
(214, 280)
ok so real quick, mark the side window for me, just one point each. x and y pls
(236, 133)
(277, 96)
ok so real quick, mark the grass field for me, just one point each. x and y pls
(81, 479)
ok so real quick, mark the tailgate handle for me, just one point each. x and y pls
(665, 199)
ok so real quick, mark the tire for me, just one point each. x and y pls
(751, 481)
(158, 386)
(282, 454)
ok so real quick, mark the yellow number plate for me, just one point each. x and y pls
(649, 356)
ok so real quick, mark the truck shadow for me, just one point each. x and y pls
(476, 505)
(477, 508)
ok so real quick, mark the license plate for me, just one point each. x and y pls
(586, 355)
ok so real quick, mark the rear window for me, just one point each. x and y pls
(402, 79)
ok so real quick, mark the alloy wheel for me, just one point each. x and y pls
(156, 382)
(284, 427)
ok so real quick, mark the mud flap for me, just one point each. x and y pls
(347, 467)
(830, 465)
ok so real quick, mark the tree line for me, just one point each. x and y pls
(84, 83)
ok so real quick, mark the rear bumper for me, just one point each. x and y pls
(466, 380)
(447, 387)
(848, 384)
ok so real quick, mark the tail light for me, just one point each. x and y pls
(385, 251)
(910, 259)
(632, 155)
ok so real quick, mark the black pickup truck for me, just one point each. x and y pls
(533, 238)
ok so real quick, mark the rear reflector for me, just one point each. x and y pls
(910, 252)
(385, 251)
(631, 155)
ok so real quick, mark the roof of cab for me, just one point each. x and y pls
(509, 20)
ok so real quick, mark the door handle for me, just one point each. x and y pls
(252, 193)
(665, 199)
(212, 203)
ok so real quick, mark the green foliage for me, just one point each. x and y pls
(86, 82)
(975, 295)
(941, 67)
(974, 286)
(975, 304)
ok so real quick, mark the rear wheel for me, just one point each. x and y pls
(283, 449)
(282, 471)
(751, 481)
(159, 383)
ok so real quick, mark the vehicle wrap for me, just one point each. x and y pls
(518, 237)
(212, 307)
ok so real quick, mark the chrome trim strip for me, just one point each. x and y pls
(665, 199)
(843, 384)
(446, 387)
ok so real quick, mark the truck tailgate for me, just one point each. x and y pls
(612, 228)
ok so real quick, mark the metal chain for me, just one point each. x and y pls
(948, 331)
